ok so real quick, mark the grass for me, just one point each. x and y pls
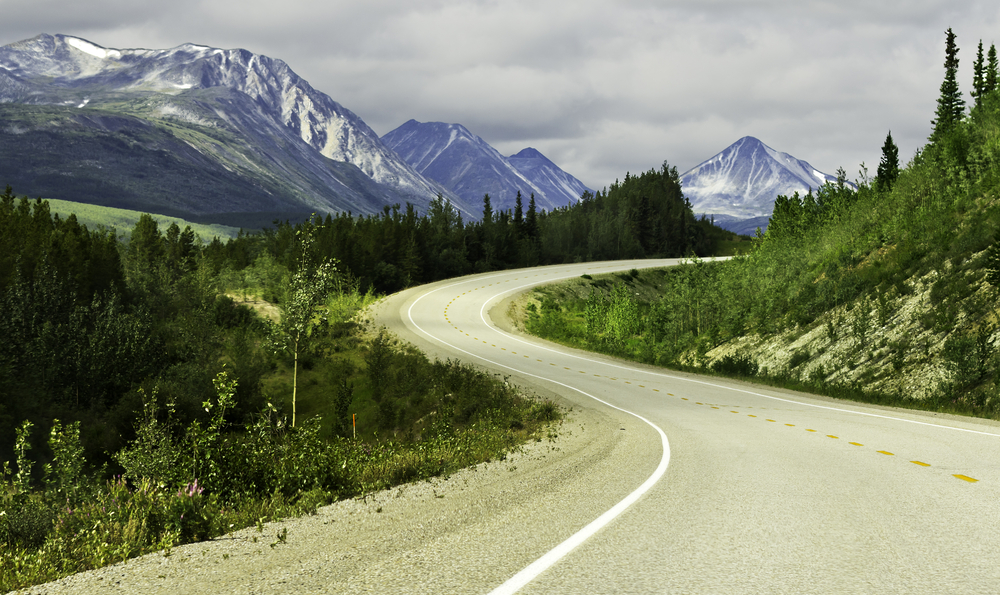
(123, 220)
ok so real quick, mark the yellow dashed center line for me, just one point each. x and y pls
(965, 478)
(856, 443)
(832, 436)
(885, 452)
(921, 463)
(789, 425)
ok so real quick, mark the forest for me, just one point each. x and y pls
(187, 386)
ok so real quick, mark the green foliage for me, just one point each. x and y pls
(888, 167)
(739, 364)
(950, 105)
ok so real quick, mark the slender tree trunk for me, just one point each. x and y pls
(295, 380)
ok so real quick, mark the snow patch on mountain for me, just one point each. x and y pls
(469, 166)
(745, 178)
(333, 130)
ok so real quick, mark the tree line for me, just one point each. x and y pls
(642, 216)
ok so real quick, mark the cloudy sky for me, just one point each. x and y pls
(601, 88)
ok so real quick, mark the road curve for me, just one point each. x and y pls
(767, 491)
(748, 490)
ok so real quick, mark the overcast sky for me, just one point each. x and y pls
(601, 88)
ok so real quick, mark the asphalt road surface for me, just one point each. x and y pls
(659, 482)
(731, 487)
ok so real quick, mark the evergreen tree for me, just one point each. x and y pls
(487, 210)
(531, 221)
(888, 167)
(978, 78)
(518, 215)
(951, 106)
(990, 79)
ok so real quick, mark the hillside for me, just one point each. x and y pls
(885, 292)
(216, 135)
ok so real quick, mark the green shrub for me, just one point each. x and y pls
(740, 364)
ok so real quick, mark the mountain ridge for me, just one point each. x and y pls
(470, 167)
(743, 180)
(247, 116)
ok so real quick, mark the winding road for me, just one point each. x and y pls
(721, 486)
(659, 482)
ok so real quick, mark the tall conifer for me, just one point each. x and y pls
(978, 78)
(888, 167)
(951, 106)
(990, 83)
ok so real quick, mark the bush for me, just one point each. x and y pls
(740, 364)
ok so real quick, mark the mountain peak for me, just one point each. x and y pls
(466, 164)
(528, 153)
(744, 179)
(234, 93)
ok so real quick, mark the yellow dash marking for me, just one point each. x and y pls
(770, 420)
(492, 345)
(790, 425)
(810, 430)
(965, 478)
(683, 398)
(551, 364)
(656, 390)
(514, 352)
(734, 411)
(698, 403)
(922, 464)
(714, 407)
(856, 443)
(525, 356)
(642, 386)
(538, 360)
(671, 394)
(565, 368)
(832, 436)
(751, 416)
(582, 372)
(885, 452)
(504, 348)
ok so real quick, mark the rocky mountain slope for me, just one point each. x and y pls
(743, 180)
(467, 165)
(192, 129)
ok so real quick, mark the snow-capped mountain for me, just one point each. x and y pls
(745, 178)
(468, 166)
(222, 112)
(549, 178)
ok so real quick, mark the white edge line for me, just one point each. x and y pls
(529, 573)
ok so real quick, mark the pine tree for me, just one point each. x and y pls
(487, 210)
(888, 167)
(531, 221)
(978, 78)
(951, 106)
(990, 82)
(518, 215)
